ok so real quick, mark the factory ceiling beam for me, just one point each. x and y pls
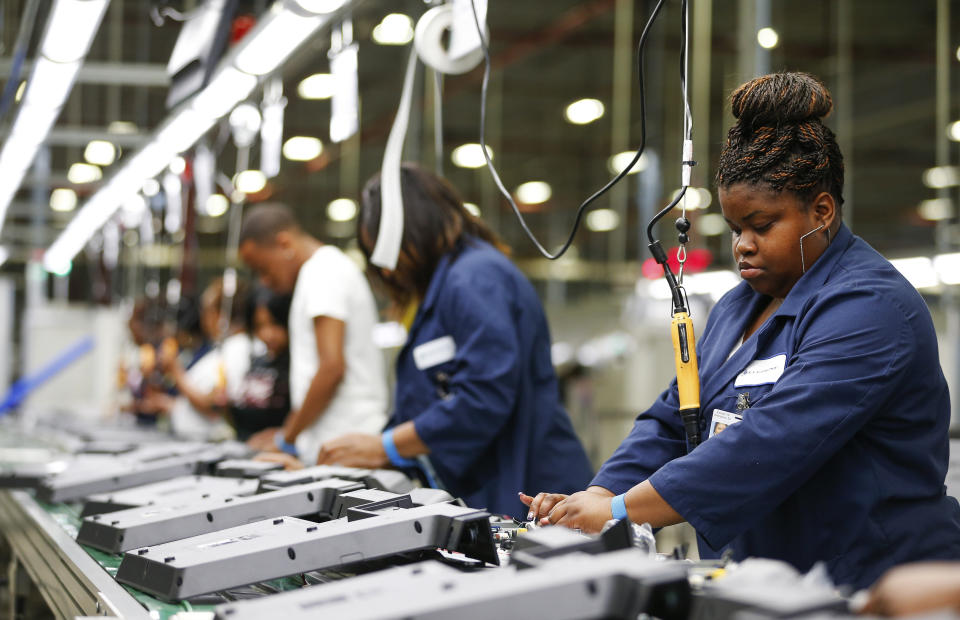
(122, 73)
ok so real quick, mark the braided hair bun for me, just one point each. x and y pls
(779, 140)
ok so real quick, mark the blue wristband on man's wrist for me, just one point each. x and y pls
(618, 507)
(284, 445)
(391, 449)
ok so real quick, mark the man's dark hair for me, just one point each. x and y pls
(262, 223)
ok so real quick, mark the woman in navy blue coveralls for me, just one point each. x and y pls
(823, 362)
(476, 389)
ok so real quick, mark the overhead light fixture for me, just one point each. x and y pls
(618, 162)
(80, 173)
(50, 83)
(178, 165)
(276, 40)
(217, 205)
(122, 127)
(917, 270)
(63, 200)
(584, 111)
(936, 209)
(70, 29)
(302, 148)
(603, 220)
(228, 88)
(20, 89)
(100, 152)
(940, 177)
(470, 155)
(245, 123)
(533, 192)
(472, 209)
(250, 181)
(767, 38)
(394, 29)
(342, 210)
(316, 86)
(320, 6)
(151, 187)
(712, 224)
(694, 198)
(947, 267)
(4, 255)
(953, 131)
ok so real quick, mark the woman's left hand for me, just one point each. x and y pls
(354, 450)
(586, 511)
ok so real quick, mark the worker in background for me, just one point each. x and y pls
(823, 363)
(337, 378)
(264, 394)
(476, 389)
(204, 390)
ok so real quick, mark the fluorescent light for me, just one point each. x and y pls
(302, 148)
(618, 162)
(151, 187)
(122, 127)
(250, 181)
(472, 209)
(217, 205)
(4, 255)
(20, 90)
(603, 220)
(100, 152)
(695, 198)
(80, 173)
(767, 38)
(316, 86)
(32, 125)
(185, 128)
(584, 111)
(281, 33)
(49, 83)
(70, 29)
(320, 6)
(533, 192)
(953, 131)
(941, 176)
(178, 165)
(342, 210)
(936, 209)
(470, 155)
(711, 225)
(917, 270)
(947, 267)
(394, 29)
(63, 200)
(228, 87)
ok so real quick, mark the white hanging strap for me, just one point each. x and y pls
(387, 249)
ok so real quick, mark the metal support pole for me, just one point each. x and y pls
(700, 78)
(620, 117)
(844, 97)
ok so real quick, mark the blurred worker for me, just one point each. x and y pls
(476, 388)
(337, 379)
(211, 382)
(263, 399)
(824, 363)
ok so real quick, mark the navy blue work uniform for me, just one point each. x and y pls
(841, 456)
(476, 378)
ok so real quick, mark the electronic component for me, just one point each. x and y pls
(621, 584)
(140, 527)
(384, 479)
(284, 546)
(176, 490)
(246, 468)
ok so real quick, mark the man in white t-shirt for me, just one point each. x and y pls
(337, 376)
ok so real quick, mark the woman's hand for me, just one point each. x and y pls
(354, 450)
(915, 588)
(264, 440)
(287, 460)
(541, 504)
(586, 511)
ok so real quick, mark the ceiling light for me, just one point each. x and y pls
(70, 29)
(953, 130)
(49, 83)
(80, 173)
(584, 111)
(958, 53)
(178, 165)
(472, 209)
(321, 6)
(917, 270)
(767, 38)
(23, 86)
(711, 225)
(250, 181)
(100, 152)
(151, 187)
(342, 210)
(227, 88)
(947, 267)
(533, 192)
(302, 148)
(936, 209)
(603, 220)
(470, 155)
(316, 86)
(122, 127)
(394, 29)
(217, 205)
(694, 198)
(185, 128)
(4, 254)
(618, 162)
(63, 200)
(281, 33)
(941, 176)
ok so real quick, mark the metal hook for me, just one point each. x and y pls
(803, 264)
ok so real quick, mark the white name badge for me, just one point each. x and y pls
(721, 420)
(435, 352)
(762, 372)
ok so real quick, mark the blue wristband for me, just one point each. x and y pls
(618, 507)
(391, 449)
(283, 444)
